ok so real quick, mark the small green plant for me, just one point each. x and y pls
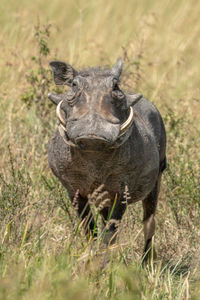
(39, 77)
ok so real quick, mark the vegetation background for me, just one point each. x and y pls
(43, 251)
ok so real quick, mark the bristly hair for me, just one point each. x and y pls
(95, 71)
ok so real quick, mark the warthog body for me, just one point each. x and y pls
(109, 137)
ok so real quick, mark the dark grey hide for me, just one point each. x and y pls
(92, 148)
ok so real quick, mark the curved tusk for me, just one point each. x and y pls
(59, 115)
(127, 124)
(62, 127)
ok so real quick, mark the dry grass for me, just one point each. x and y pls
(44, 254)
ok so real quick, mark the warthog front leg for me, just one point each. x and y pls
(83, 209)
(113, 218)
(149, 207)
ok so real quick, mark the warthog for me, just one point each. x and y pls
(107, 137)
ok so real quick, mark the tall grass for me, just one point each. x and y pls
(44, 253)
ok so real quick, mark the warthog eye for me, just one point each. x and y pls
(75, 85)
(73, 94)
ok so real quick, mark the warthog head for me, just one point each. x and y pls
(94, 113)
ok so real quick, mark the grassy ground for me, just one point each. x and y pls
(44, 254)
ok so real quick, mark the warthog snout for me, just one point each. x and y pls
(92, 143)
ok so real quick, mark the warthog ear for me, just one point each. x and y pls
(117, 69)
(63, 73)
(132, 99)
